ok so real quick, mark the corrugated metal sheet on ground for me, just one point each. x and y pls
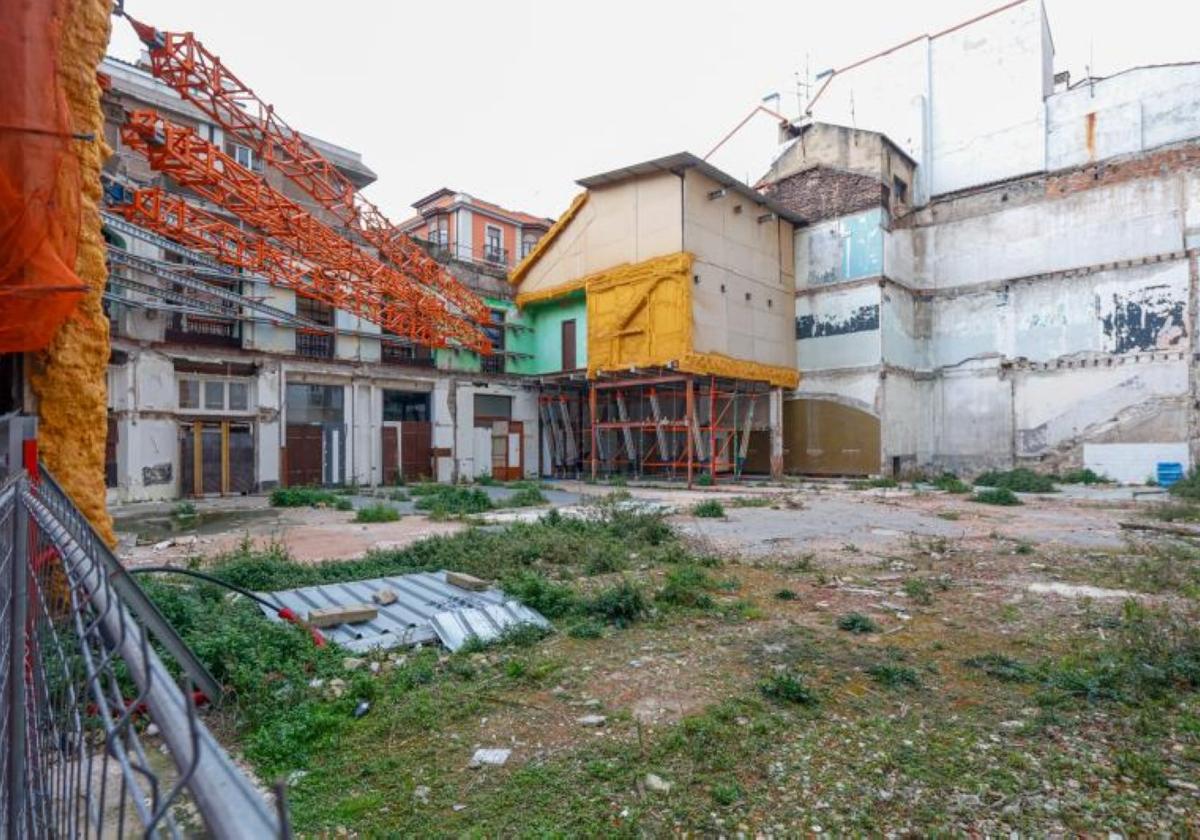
(424, 603)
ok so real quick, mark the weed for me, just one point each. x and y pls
(857, 623)
(949, 515)
(951, 483)
(1178, 512)
(1001, 667)
(1023, 547)
(183, 513)
(803, 563)
(1187, 487)
(996, 496)
(1020, 480)
(525, 497)
(727, 793)
(397, 496)
(302, 497)
(1084, 476)
(919, 590)
(585, 630)
(444, 500)
(486, 480)
(343, 504)
(377, 513)
(552, 600)
(788, 687)
(786, 595)
(705, 480)
(686, 587)
(894, 676)
(617, 481)
(620, 605)
(709, 509)
(751, 501)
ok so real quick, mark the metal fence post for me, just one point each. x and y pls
(17, 655)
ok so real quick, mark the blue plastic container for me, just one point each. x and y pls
(1168, 473)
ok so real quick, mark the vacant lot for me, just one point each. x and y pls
(803, 660)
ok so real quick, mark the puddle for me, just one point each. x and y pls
(153, 528)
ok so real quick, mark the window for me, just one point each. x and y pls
(239, 396)
(310, 344)
(213, 394)
(568, 345)
(493, 250)
(528, 241)
(495, 334)
(899, 190)
(244, 155)
(314, 403)
(405, 405)
(189, 393)
(491, 407)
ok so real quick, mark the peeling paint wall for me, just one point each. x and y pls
(846, 248)
(69, 379)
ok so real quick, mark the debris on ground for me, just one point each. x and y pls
(494, 756)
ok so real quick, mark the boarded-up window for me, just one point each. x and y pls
(490, 407)
(405, 405)
(568, 345)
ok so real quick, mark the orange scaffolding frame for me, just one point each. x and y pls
(197, 74)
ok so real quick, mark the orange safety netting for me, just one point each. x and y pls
(39, 181)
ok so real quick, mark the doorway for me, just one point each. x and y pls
(216, 457)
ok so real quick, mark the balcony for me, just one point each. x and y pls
(486, 255)
(495, 255)
(400, 353)
(212, 332)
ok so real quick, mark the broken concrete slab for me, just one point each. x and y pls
(495, 756)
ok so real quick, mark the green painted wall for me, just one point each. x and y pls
(545, 342)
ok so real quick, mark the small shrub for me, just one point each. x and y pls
(951, 483)
(786, 595)
(996, 496)
(1084, 476)
(709, 509)
(486, 480)
(444, 500)
(949, 515)
(1020, 480)
(525, 497)
(1024, 548)
(686, 587)
(1187, 487)
(788, 687)
(752, 501)
(857, 623)
(302, 497)
(377, 513)
(894, 676)
(343, 504)
(705, 480)
(727, 793)
(1176, 512)
(620, 605)
(397, 496)
(184, 512)
(919, 590)
(535, 591)
(874, 483)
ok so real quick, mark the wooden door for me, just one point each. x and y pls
(216, 457)
(416, 450)
(240, 446)
(389, 446)
(304, 454)
(508, 450)
(568, 345)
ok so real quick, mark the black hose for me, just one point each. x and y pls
(175, 570)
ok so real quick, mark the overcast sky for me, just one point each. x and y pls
(512, 101)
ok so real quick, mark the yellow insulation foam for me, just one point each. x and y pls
(640, 316)
(525, 298)
(69, 378)
(522, 268)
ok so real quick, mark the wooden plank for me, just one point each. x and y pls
(344, 614)
(465, 581)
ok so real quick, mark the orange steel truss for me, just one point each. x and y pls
(198, 75)
(197, 164)
(169, 215)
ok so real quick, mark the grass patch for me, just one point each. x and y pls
(303, 497)
(949, 515)
(443, 501)
(751, 501)
(1020, 480)
(619, 605)
(1001, 667)
(786, 595)
(1176, 512)
(788, 687)
(919, 590)
(525, 497)
(996, 496)
(343, 504)
(585, 630)
(709, 509)
(892, 675)
(377, 513)
(857, 623)
(687, 586)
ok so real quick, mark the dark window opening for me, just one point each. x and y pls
(900, 190)
(491, 407)
(312, 344)
(569, 361)
(405, 405)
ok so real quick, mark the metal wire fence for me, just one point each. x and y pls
(98, 735)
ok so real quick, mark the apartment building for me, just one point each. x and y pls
(244, 386)
(475, 231)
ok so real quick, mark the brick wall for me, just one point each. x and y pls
(822, 193)
(1119, 170)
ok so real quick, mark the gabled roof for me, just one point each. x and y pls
(677, 163)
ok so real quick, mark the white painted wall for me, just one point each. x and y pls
(1133, 463)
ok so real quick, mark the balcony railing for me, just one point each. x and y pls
(190, 329)
(396, 353)
(479, 254)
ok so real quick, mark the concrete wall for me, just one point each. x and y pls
(743, 275)
(623, 223)
(846, 248)
(966, 103)
(544, 341)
